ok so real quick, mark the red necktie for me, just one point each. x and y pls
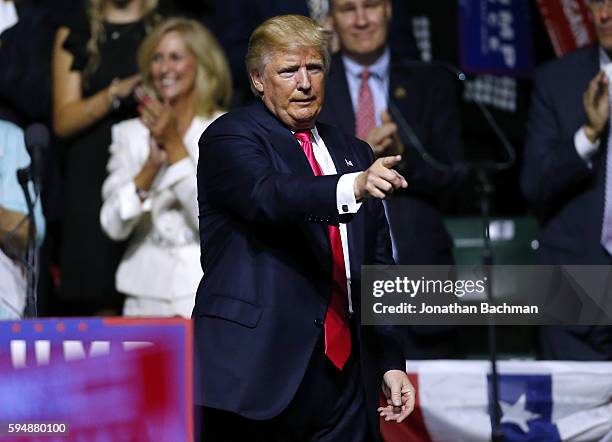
(365, 119)
(336, 326)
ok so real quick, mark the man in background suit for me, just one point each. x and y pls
(289, 211)
(565, 169)
(425, 98)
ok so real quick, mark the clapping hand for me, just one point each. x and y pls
(596, 106)
(384, 139)
(160, 118)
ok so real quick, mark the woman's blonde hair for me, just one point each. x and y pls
(95, 12)
(213, 85)
(285, 32)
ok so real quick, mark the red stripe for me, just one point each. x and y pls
(412, 429)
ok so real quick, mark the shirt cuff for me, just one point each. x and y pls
(130, 205)
(345, 194)
(583, 145)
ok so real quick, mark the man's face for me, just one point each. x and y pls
(362, 27)
(292, 86)
(602, 16)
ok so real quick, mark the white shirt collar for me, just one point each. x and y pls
(379, 69)
(314, 133)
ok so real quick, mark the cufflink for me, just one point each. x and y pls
(345, 208)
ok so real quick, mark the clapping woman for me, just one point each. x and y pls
(150, 195)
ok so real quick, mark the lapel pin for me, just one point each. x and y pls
(400, 92)
(348, 163)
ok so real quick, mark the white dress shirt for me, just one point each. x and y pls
(162, 260)
(345, 196)
(378, 82)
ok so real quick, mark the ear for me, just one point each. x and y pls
(257, 81)
(389, 10)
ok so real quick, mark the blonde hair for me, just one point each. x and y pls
(213, 85)
(284, 32)
(95, 12)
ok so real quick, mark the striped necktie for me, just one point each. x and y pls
(365, 118)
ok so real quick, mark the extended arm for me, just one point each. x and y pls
(235, 172)
(72, 112)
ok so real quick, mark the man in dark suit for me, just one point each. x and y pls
(566, 158)
(424, 97)
(289, 211)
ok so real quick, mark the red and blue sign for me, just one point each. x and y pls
(104, 379)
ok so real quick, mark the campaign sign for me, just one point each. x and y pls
(568, 23)
(495, 37)
(96, 379)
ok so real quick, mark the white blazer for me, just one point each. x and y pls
(162, 260)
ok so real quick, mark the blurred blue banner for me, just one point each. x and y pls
(495, 37)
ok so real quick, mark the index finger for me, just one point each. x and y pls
(407, 408)
(390, 162)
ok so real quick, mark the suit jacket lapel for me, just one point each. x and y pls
(591, 69)
(341, 153)
(338, 96)
(288, 148)
(408, 99)
(282, 140)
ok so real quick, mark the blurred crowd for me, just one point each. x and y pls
(128, 86)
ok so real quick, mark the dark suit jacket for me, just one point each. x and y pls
(267, 263)
(567, 194)
(425, 97)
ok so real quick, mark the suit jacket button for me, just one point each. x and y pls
(318, 322)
